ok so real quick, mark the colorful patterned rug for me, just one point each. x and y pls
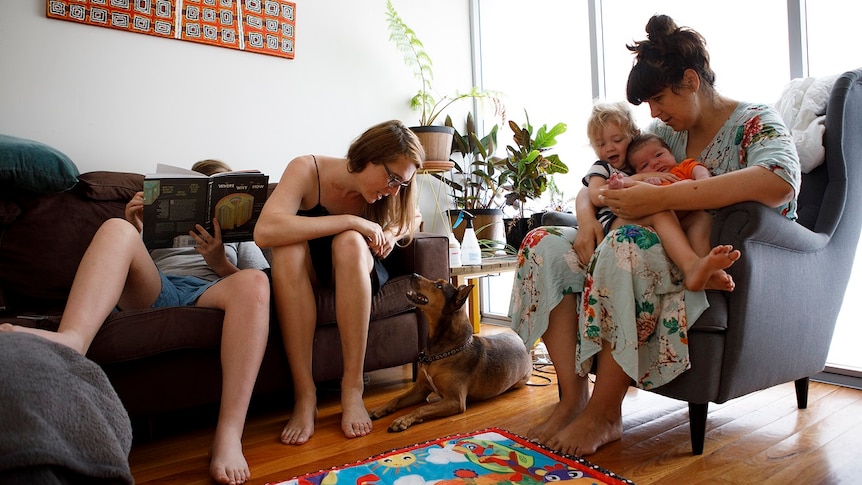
(484, 457)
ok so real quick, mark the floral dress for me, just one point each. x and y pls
(630, 293)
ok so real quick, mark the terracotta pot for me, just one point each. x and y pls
(436, 140)
(488, 224)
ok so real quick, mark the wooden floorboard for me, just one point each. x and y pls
(759, 438)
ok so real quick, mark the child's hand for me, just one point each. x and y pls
(211, 248)
(590, 234)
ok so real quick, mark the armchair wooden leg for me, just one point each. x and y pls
(697, 423)
(802, 393)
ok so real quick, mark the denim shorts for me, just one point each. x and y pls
(180, 290)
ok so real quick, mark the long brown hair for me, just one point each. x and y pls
(385, 143)
(662, 59)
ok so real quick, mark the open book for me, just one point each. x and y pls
(175, 199)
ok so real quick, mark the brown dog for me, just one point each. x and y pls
(457, 365)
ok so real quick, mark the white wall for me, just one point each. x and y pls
(115, 100)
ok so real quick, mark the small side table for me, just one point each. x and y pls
(492, 265)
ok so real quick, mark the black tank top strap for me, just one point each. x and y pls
(317, 210)
(317, 169)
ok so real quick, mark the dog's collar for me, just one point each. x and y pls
(425, 359)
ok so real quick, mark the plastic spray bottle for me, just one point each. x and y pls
(471, 255)
(454, 251)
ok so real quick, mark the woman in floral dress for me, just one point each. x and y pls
(625, 306)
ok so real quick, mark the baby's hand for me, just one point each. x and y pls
(659, 178)
(615, 181)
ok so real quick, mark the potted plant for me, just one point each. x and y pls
(437, 140)
(476, 183)
(527, 169)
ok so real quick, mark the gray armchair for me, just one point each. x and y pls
(778, 324)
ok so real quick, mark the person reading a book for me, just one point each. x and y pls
(118, 271)
(331, 221)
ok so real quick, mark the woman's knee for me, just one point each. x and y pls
(349, 246)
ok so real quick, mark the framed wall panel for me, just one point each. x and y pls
(262, 26)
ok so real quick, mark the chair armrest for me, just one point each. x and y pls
(554, 218)
(750, 223)
(427, 255)
(784, 279)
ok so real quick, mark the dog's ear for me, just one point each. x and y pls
(463, 294)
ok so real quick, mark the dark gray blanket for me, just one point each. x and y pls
(59, 416)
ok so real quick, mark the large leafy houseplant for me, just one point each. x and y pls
(477, 181)
(528, 166)
(413, 51)
(476, 184)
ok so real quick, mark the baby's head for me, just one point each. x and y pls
(649, 153)
(610, 128)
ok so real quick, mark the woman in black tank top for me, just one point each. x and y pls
(330, 222)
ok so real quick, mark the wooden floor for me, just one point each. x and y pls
(759, 438)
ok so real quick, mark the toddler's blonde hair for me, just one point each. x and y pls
(606, 113)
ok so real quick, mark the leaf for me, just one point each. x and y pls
(555, 165)
(546, 139)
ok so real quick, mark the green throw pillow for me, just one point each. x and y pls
(35, 167)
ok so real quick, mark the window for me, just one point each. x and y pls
(539, 55)
(832, 24)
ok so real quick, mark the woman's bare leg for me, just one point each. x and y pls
(244, 297)
(601, 420)
(297, 315)
(352, 263)
(561, 341)
(116, 270)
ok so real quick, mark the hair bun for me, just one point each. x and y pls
(660, 27)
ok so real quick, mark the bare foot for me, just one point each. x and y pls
(615, 181)
(708, 272)
(355, 421)
(68, 339)
(720, 280)
(228, 465)
(300, 426)
(586, 434)
(560, 417)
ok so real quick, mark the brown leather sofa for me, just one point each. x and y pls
(167, 359)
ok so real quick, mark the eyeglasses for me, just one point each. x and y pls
(395, 181)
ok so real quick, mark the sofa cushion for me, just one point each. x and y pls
(110, 185)
(31, 166)
(40, 250)
(9, 211)
(390, 300)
